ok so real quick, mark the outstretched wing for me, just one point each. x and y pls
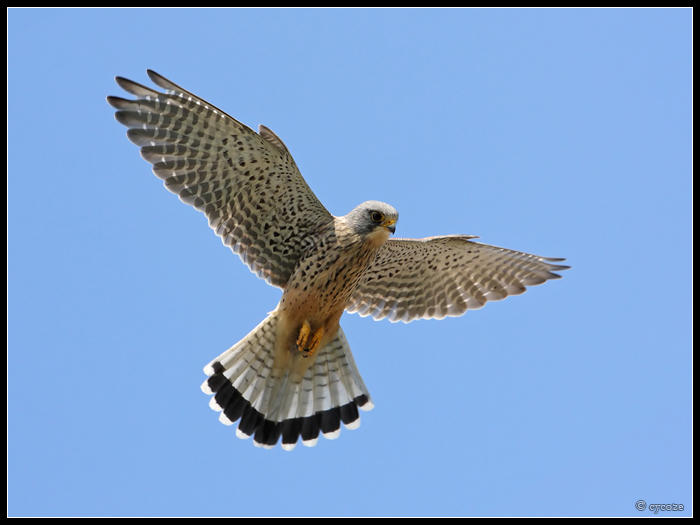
(440, 276)
(246, 183)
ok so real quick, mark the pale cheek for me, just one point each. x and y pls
(378, 237)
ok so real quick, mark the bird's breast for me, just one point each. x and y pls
(324, 280)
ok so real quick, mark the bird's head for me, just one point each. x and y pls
(373, 218)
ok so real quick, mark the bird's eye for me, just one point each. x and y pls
(376, 217)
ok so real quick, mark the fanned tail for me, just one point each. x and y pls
(273, 402)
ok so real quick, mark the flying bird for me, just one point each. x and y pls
(293, 376)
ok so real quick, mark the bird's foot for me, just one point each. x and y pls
(304, 332)
(306, 346)
(315, 341)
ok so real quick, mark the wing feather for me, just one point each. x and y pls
(247, 184)
(444, 276)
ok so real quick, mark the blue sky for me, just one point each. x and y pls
(565, 133)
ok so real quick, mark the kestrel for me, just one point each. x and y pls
(294, 375)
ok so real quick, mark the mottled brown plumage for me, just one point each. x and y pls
(444, 276)
(246, 183)
(293, 375)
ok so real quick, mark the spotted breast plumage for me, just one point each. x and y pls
(293, 376)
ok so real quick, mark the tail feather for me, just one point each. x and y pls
(273, 403)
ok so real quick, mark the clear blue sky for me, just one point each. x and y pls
(565, 133)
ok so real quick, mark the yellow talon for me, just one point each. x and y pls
(304, 332)
(304, 344)
(316, 341)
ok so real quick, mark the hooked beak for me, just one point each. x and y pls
(390, 224)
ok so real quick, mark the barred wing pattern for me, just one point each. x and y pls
(247, 184)
(444, 276)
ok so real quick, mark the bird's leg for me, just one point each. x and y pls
(304, 332)
(309, 347)
(315, 341)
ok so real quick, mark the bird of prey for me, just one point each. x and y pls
(294, 375)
